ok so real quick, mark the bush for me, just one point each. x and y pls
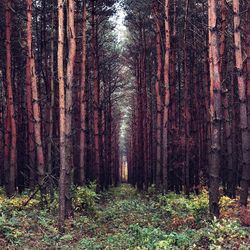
(85, 198)
(183, 240)
(90, 243)
(124, 192)
(226, 232)
(9, 227)
(179, 205)
(16, 203)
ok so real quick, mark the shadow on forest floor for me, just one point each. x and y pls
(122, 218)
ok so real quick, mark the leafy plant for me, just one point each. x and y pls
(9, 227)
(89, 243)
(178, 205)
(85, 198)
(223, 232)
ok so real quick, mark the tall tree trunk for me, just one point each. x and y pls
(69, 104)
(166, 97)
(96, 94)
(158, 98)
(187, 106)
(145, 107)
(227, 140)
(52, 103)
(140, 169)
(35, 101)
(83, 95)
(243, 106)
(215, 110)
(31, 144)
(173, 70)
(10, 102)
(62, 198)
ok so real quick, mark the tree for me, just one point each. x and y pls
(62, 123)
(83, 96)
(35, 101)
(66, 109)
(158, 95)
(243, 106)
(69, 103)
(11, 182)
(166, 96)
(215, 110)
(96, 93)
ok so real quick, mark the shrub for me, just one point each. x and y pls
(9, 227)
(89, 243)
(124, 192)
(16, 203)
(85, 198)
(225, 232)
(179, 205)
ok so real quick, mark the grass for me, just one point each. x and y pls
(122, 219)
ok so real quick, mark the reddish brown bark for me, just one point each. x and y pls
(248, 59)
(144, 97)
(96, 93)
(245, 140)
(6, 148)
(187, 106)
(158, 97)
(247, 31)
(223, 36)
(166, 97)
(10, 103)
(52, 103)
(227, 140)
(69, 105)
(83, 96)
(31, 144)
(62, 205)
(173, 114)
(215, 110)
(35, 100)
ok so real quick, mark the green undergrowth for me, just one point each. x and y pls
(121, 218)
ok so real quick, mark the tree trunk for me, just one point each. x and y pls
(158, 99)
(35, 101)
(96, 94)
(227, 140)
(10, 102)
(83, 96)
(69, 105)
(144, 97)
(52, 104)
(166, 97)
(187, 106)
(62, 122)
(7, 134)
(243, 107)
(31, 144)
(215, 110)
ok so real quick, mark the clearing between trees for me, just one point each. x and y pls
(122, 218)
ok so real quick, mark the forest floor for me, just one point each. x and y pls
(123, 219)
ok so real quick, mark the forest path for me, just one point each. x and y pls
(127, 219)
(122, 215)
(123, 219)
